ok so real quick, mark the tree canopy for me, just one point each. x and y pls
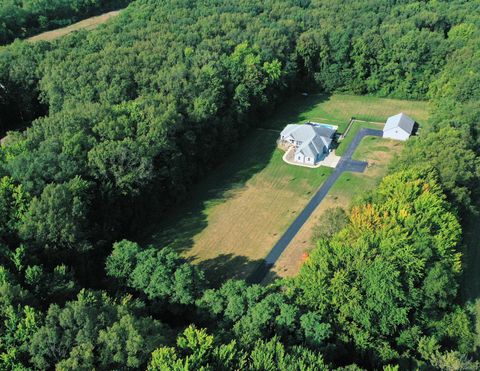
(22, 18)
(109, 129)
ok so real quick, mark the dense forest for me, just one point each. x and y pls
(23, 18)
(122, 121)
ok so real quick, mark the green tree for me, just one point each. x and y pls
(196, 350)
(378, 274)
(95, 329)
(458, 175)
(19, 324)
(160, 274)
(272, 355)
(13, 203)
(57, 219)
(122, 261)
(129, 342)
(335, 219)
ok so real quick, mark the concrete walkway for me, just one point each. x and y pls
(345, 164)
(331, 160)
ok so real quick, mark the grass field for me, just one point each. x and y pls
(338, 109)
(236, 214)
(86, 24)
(355, 128)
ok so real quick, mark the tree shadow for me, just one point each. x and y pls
(293, 110)
(177, 227)
(263, 272)
(470, 279)
(228, 266)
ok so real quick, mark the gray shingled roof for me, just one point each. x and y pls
(288, 130)
(401, 121)
(315, 139)
(310, 149)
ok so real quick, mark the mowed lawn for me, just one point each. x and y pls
(338, 109)
(236, 214)
(86, 24)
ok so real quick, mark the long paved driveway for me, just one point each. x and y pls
(346, 164)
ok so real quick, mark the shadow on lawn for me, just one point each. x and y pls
(470, 280)
(177, 228)
(293, 110)
(229, 266)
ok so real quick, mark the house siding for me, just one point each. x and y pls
(309, 141)
(396, 133)
(309, 160)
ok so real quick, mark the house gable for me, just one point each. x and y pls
(311, 140)
(399, 122)
(398, 127)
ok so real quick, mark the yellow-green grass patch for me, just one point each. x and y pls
(338, 109)
(354, 129)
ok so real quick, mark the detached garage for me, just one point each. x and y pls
(398, 127)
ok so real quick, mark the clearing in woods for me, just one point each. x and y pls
(86, 24)
(235, 215)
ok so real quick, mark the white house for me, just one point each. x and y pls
(398, 127)
(311, 141)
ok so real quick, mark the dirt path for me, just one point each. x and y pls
(87, 24)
